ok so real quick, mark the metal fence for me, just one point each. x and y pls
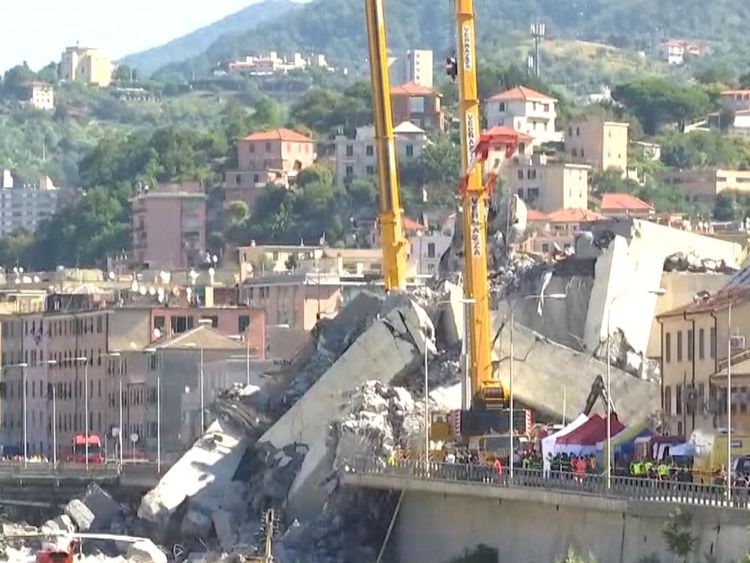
(623, 488)
(46, 470)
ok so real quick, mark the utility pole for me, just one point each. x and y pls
(538, 33)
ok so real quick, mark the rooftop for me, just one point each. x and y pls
(411, 89)
(521, 93)
(201, 337)
(536, 216)
(624, 202)
(503, 130)
(278, 135)
(574, 216)
(716, 302)
(412, 225)
(407, 127)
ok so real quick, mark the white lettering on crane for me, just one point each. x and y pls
(467, 47)
(476, 229)
(471, 137)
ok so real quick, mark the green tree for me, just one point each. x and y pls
(315, 174)
(124, 73)
(363, 194)
(238, 212)
(677, 534)
(266, 113)
(49, 73)
(726, 207)
(16, 78)
(658, 101)
(713, 72)
(611, 181)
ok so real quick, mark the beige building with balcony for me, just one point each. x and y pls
(88, 65)
(41, 96)
(549, 185)
(701, 186)
(602, 144)
(694, 341)
(356, 155)
(526, 111)
(272, 157)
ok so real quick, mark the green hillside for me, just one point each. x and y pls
(198, 41)
(336, 27)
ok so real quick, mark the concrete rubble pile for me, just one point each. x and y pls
(375, 419)
(96, 512)
(623, 356)
(273, 447)
(692, 262)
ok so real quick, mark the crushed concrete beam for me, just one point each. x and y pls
(386, 350)
(80, 514)
(548, 376)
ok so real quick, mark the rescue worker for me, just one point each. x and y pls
(663, 471)
(580, 469)
(498, 465)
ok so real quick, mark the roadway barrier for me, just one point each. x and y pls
(624, 488)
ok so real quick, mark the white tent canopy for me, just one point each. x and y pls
(548, 443)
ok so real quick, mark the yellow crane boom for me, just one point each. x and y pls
(391, 215)
(474, 202)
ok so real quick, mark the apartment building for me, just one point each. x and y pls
(417, 66)
(168, 226)
(41, 96)
(356, 154)
(602, 144)
(694, 344)
(296, 299)
(554, 232)
(272, 157)
(78, 354)
(418, 104)
(88, 65)
(549, 185)
(25, 206)
(701, 186)
(526, 111)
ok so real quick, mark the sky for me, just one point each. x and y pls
(38, 31)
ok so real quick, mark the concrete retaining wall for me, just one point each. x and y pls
(438, 527)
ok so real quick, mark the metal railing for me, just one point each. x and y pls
(623, 488)
(63, 470)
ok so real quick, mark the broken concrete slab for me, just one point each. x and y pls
(80, 514)
(63, 524)
(386, 350)
(549, 376)
(204, 472)
(224, 526)
(145, 551)
(104, 508)
(195, 524)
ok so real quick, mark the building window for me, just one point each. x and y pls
(369, 151)
(578, 131)
(531, 174)
(679, 346)
(243, 323)
(574, 152)
(409, 150)
(268, 147)
(256, 178)
(690, 345)
(712, 342)
(668, 347)
(238, 179)
(370, 169)
(701, 343)
(349, 150)
(349, 171)
(251, 148)
(431, 250)
(501, 106)
(520, 174)
(678, 399)
(668, 400)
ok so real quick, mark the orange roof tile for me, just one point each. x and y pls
(716, 302)
(411, 224)
(624, 202)
(411, 89)
(505, 130)
(278, 135)
(521, 93)
(535, 216)
(574, 216)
